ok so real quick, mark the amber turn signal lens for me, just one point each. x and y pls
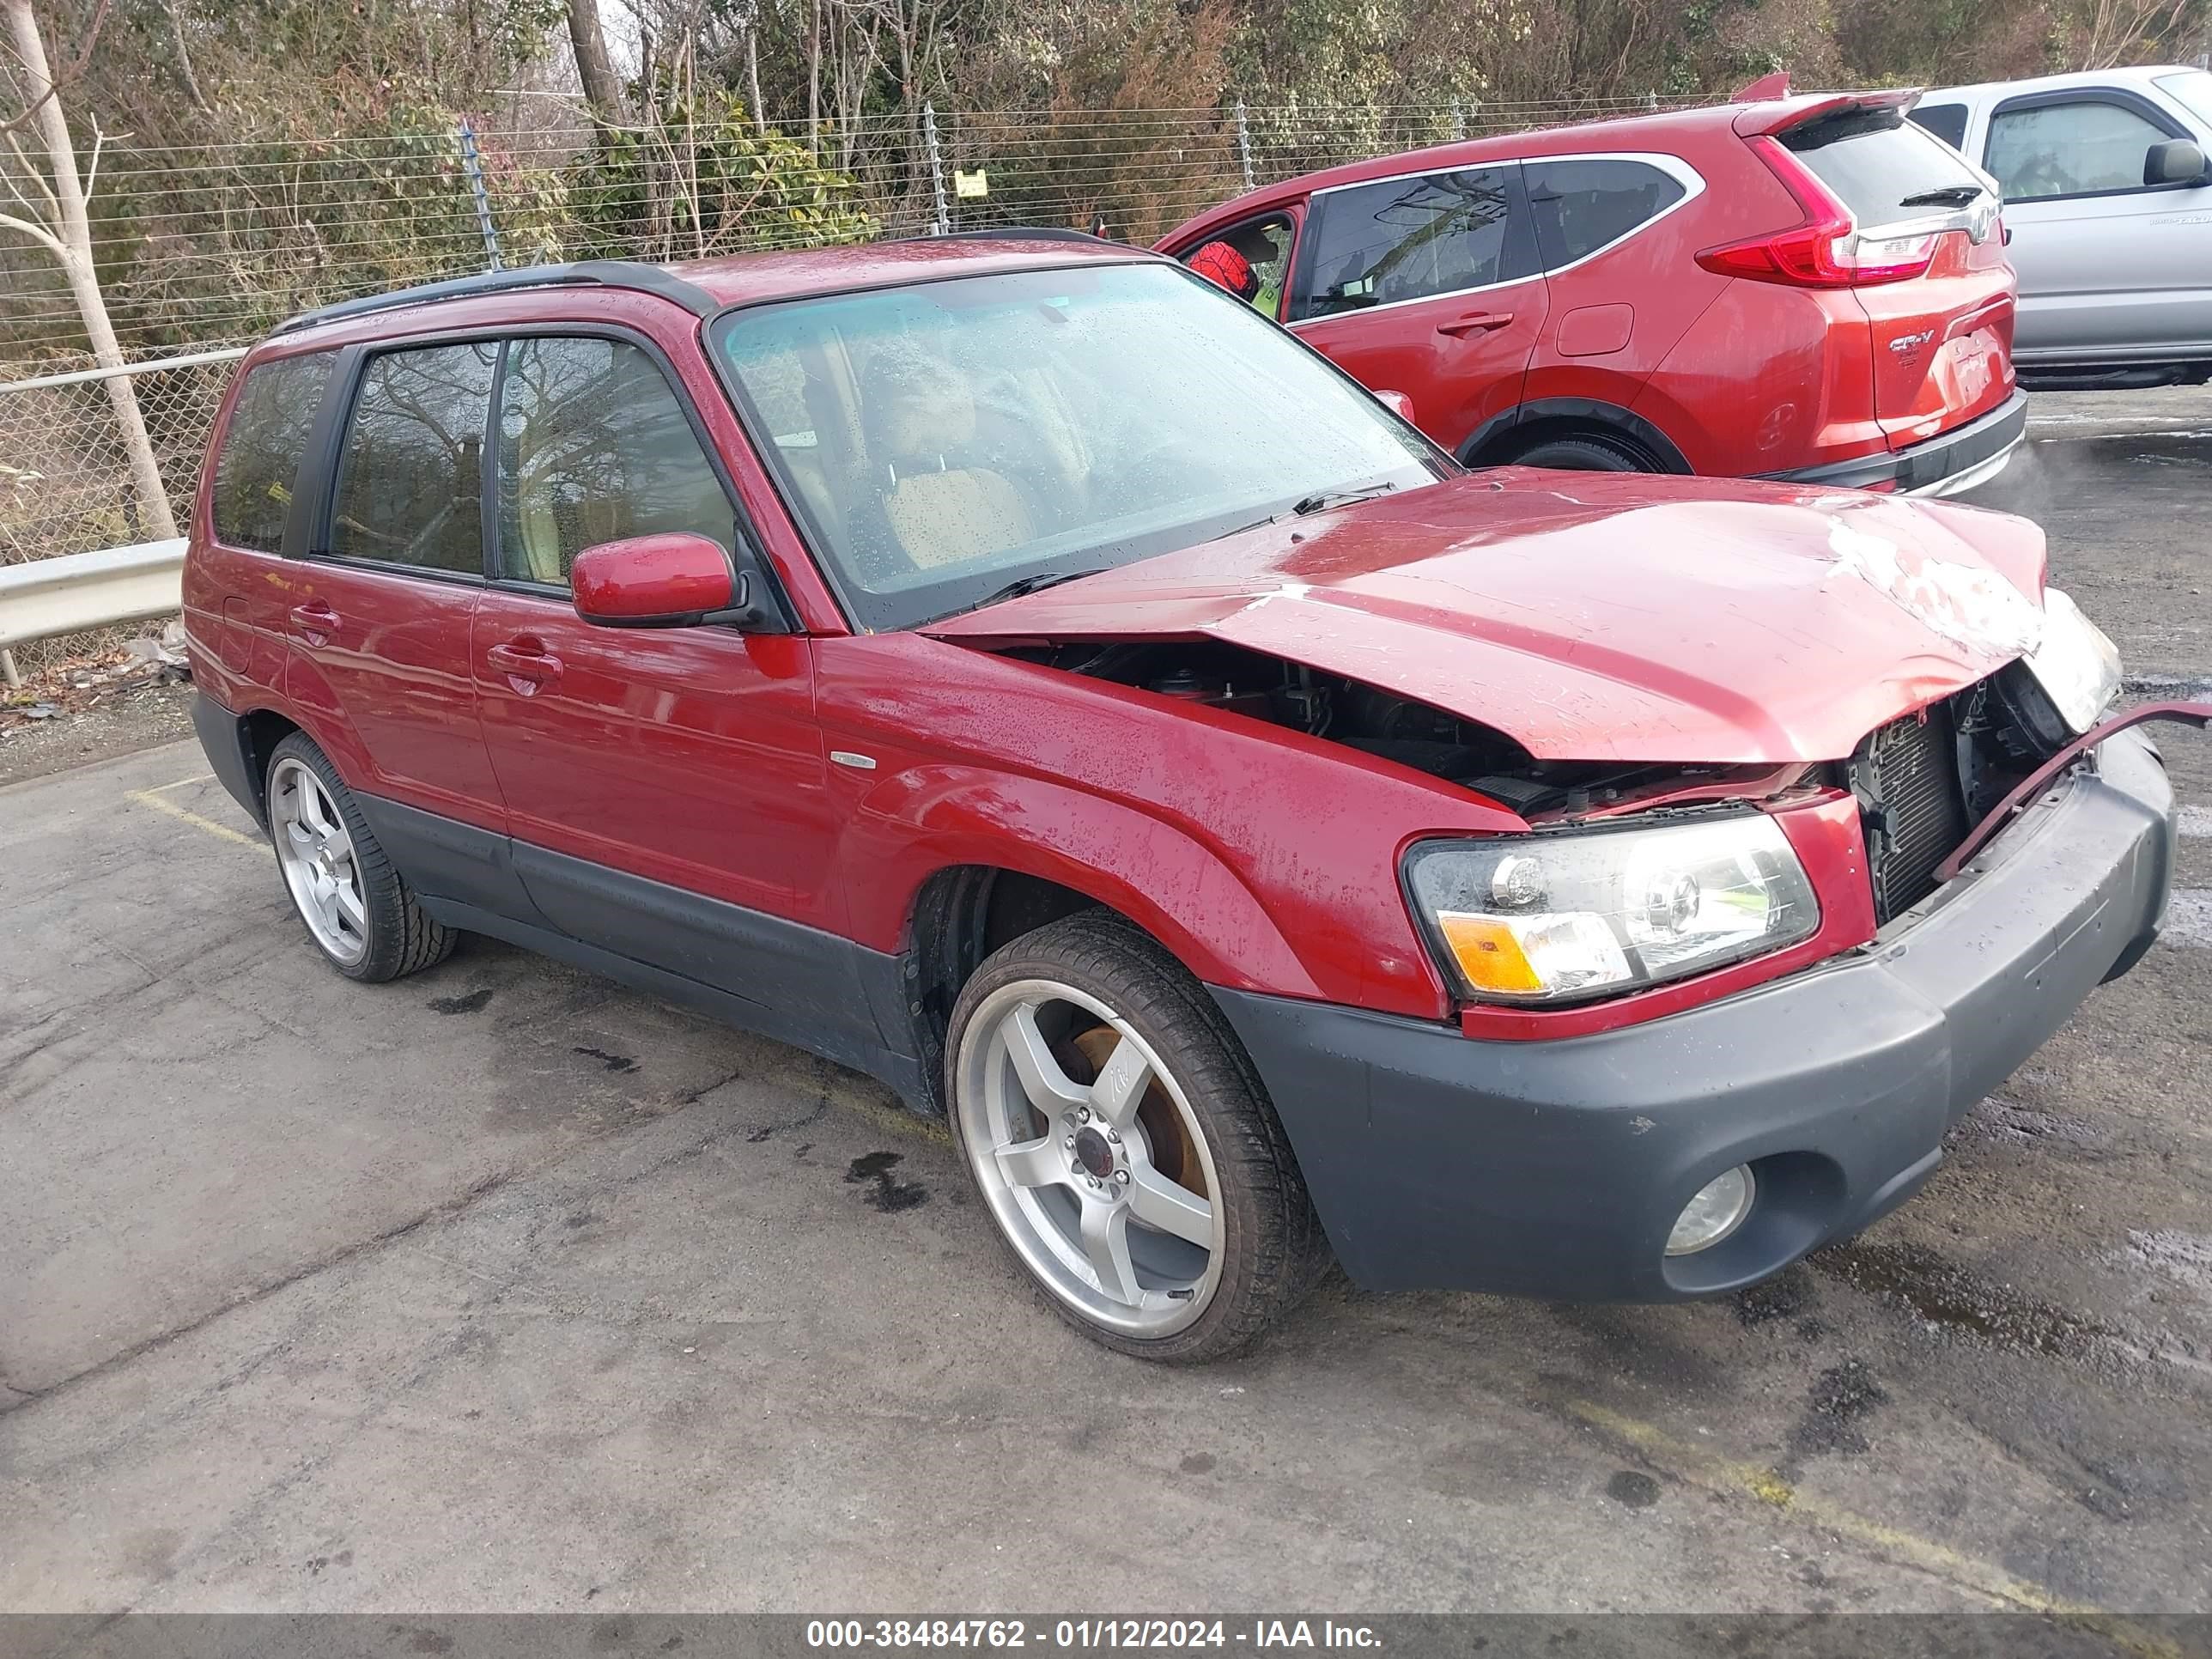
(1488, 953)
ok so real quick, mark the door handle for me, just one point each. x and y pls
(1475, 322)
(317, 621)
(526, 663)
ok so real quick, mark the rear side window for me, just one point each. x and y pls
(1947, 121)
(595, 447)
(261, 451)
(2071, 148)
(1407, 239)
(1875, 162)
(1582, 206)
(410, 480)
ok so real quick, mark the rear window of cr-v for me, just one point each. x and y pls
(1875, 161)
(944, 440)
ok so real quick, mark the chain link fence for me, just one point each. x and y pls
(211, 245)
(65, 479)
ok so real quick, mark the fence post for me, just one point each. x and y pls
(11, 675)
(1459, 119)
(1244, 145)
(943, 226)
(473, 166)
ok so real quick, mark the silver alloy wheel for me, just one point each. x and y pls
(1079, 1174)
(317, 857)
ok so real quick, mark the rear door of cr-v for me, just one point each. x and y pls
(666, 787)
(378, 610)
(1427, 285)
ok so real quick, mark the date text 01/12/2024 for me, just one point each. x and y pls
(1087, 1633)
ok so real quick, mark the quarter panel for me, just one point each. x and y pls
(1805, 397)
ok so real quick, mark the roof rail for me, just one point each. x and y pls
(604, 273)
(1022, 233)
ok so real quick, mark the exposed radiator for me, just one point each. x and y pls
(1906, 775)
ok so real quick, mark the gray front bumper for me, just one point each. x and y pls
(1556, 1169)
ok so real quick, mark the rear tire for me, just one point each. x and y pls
(358, 911)
(1217, 1238)
(1584, 455)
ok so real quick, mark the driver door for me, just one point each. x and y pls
(2106, 262)
(666, 787)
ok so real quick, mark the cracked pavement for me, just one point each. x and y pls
(501, 1288)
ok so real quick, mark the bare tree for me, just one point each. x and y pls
(185, 58)
(52, 214)
(2116, 30)
(594, 68)
(814, 75)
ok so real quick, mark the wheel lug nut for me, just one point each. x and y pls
(1083, 1113)
(1113, 1135)
(1120, 1177)
(1068, 1142)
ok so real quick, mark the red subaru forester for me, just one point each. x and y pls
(1809, 288)
(1017, 669)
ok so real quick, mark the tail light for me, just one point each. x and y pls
(1827, 249)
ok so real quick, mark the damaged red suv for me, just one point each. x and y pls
(1810, 289)
(1013, 669)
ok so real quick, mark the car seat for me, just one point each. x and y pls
(939, 506)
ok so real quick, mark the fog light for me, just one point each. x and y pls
(1717, 1211)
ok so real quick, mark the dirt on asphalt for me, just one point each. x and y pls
(145, 715)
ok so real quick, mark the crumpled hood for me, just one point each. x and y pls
(1599, 616)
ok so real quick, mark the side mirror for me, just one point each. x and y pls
(675, 579)
(1398, 404)
(2175, 162)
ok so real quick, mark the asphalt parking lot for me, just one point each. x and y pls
(501, 1288)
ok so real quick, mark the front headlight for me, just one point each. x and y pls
(1555, 918)
(2077, 666)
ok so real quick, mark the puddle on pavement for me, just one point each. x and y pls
(1947, 1296)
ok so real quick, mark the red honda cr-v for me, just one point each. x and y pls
(1809, 288)
(1574, 893)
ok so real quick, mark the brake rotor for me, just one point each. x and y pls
(1175, 1154)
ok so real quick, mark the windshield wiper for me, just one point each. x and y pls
(1321, 499)
(1036, 583)
(1948, 196)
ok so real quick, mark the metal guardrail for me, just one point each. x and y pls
(78, 591)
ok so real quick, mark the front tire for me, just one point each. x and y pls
(358, 911)
(1584, 455)
(1120, 1140)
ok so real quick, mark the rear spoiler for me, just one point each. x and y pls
(1775, 115)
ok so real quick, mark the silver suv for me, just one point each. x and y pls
(2105, 198)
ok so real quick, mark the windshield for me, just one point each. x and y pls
(946, 439)
(2192, 91)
